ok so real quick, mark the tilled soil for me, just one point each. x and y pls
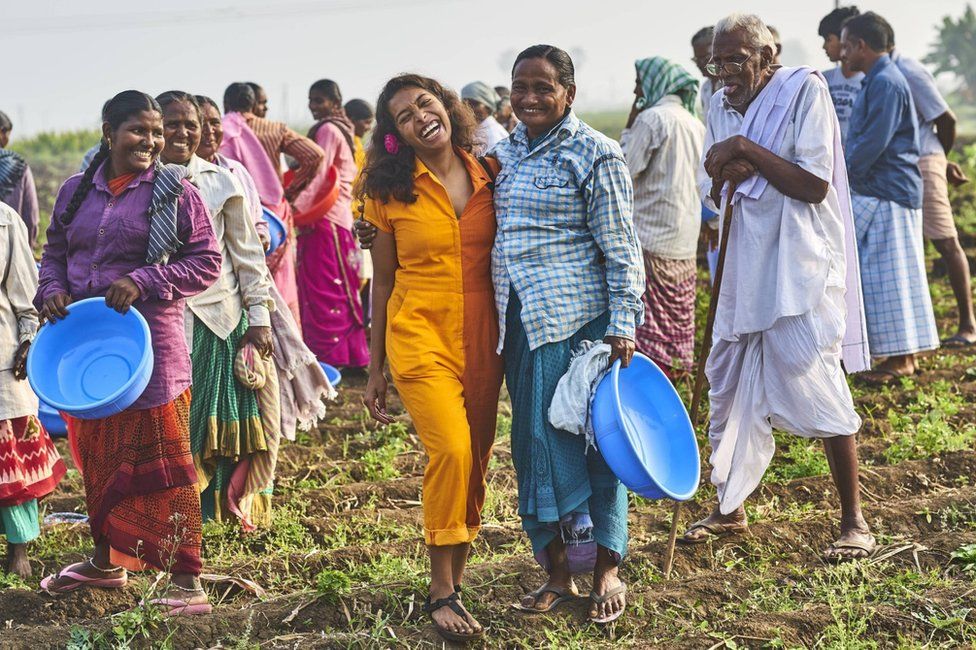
(766, 586)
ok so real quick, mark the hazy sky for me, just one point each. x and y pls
(63, 59)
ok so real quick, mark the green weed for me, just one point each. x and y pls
(799, 458)
(965, 556)
(332, 584)
(931, 435)
(11, 581)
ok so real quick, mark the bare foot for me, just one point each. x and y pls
(716, 525)
(17, 561)
(605, 581)
(855, 542)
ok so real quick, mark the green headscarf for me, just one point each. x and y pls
(659, 77)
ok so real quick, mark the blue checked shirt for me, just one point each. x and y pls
(566, 240)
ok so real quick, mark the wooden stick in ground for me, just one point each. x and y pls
(696, 392)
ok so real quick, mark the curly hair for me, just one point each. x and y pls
(389, 176)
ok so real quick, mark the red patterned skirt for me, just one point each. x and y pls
(140, 486)
(668, 333)
(30, 466)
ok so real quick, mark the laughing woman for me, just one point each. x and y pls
(432, 296)
(137, 233)
(567, 268)
(225, 419)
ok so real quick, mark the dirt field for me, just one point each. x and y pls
(344, 564)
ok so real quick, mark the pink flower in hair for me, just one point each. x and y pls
(391, 143)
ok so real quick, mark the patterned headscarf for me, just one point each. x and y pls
(659, 77)
(12, 168)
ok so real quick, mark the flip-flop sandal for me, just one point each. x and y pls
(562, 596)
(957, 342)
(600, 600)
(882, 378)
(869, 546)
(181, 606)
(451, 601)
(715, 531)
(81, 580)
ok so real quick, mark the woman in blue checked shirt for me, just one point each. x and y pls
(567, 267)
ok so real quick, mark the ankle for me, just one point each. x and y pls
(186, 582)
(853, 522)
(441, 589)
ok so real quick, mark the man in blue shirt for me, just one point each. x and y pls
(936, 135)
(886, 192)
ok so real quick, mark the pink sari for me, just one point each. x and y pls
(329, 260)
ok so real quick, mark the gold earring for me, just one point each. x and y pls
(109, 142)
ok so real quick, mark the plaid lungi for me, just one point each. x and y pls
(897, 303)
(667, 334)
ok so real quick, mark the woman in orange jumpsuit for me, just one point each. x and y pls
(431, 201)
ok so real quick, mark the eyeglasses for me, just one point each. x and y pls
(728, 67)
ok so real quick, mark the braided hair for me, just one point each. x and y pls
(115, 111)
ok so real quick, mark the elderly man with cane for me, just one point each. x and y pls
(791, 307)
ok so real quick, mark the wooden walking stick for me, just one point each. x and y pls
(696, 392)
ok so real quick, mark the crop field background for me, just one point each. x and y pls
(344, 564)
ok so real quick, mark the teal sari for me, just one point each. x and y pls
(563, 489)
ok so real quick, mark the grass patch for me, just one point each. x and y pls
(931, 435)
(798, 458)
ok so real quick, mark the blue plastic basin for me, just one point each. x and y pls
(276, 229)
(644, 433)
(52, 421)
(332, 374)
(94, 363)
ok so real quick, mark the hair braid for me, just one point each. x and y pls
(85, 185)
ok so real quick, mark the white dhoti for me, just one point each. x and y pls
(787, 377)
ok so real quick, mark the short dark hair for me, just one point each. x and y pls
(203, 100)
(871, 28)
(239, 97)
(358, 109)
(328, 88)
(703, 34)
(560, 60)
(833, 22)
(172, 96)
(255, 87)
(5, 123)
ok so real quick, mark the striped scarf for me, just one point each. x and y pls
(167, 190)
(659, 77)
(12, 168)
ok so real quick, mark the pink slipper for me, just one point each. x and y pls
(81, 580)
(181, 606)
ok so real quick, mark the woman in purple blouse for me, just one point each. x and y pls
(139, 234)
